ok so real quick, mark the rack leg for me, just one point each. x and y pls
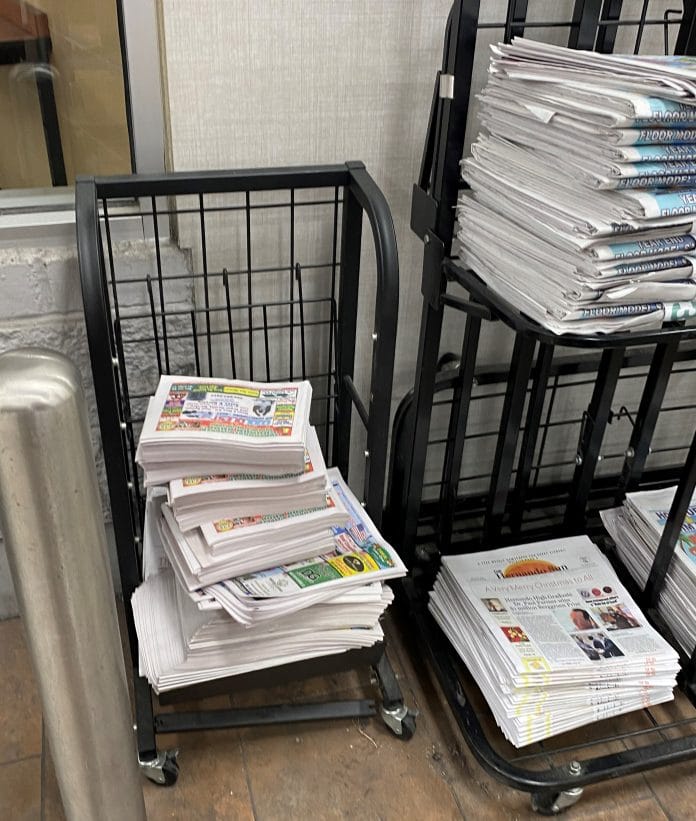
(648, 412)
(672, 529)
(457, 430)
(395, 714)
(540, 378)
(161, 768)
(515, 394)
(424, 390)
(592, 435)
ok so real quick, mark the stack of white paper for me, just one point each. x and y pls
(196, 426)
(230, 547)
(551, 636)
(200, 499)
(324, 604)
(636, 529)
(583, 191)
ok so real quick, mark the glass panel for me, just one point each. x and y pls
(62, 101)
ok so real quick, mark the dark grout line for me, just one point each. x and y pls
(248, 779)
(19, 760)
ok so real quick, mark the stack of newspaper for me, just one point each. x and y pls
(201, 616)
(636, 529)
(196, 426)
(196, 500)
(583, 189)
(551, 636)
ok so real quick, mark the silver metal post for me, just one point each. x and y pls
(51, 519)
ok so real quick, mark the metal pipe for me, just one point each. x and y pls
(51, 519)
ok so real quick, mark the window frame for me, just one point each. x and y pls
(46, 216)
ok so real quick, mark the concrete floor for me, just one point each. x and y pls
(345, 770)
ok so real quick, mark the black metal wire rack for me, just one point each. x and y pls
(255, 275)
(579, 420)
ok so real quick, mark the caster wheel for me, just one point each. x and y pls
(400, 721)
(163, 770)
(555, 803)
(408, 727)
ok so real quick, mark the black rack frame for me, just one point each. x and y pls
(426, 529)
(345, 193)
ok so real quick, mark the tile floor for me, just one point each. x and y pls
(343, 770)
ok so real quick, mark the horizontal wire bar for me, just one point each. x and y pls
(255, 329)
(548, 24)
(217, 308)
(310, 376)
(245, 272)
(214, 209)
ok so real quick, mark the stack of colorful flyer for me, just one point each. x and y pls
(583, 188)
(636, 529)
(257, 589)
(197, 426)
(551, 636)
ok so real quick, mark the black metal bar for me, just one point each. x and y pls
(592, 436)
(514, 21)
(249, 294)
(641, 26)
(388, 683)
(646, 417)
(180, 722)
(456, 434)
(303, 352)
(511, 420)
(225, 181)
(465, 305)
(110, 253)
(291, 305)
(417, 426)
(458, 60)
(351, 239)
(43, 75)
(158, 260)
(357, 401)
(98, 321)
(585, 18)
(226, 284)
(144, 717)
(540, 378)
(606, 34)
(686, 38)
(329, 368)
(672, 528)
(194, 330)
(265, 341)
(155, 331)
(206, 289)
(386, 311)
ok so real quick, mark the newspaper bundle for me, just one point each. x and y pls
(636, 529)
(192, 629)
(551, 636)
(583, 188)
(196, 500)
(198, 426)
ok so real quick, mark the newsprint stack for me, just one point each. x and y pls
(551, 636)
(254, 554)
(582, 197)
(636, 529)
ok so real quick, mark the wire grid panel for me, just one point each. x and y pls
(239, 285)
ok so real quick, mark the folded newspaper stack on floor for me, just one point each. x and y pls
(583, 190)
(192, 630)
(551, 636)
(197, 426)
(636, 529)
